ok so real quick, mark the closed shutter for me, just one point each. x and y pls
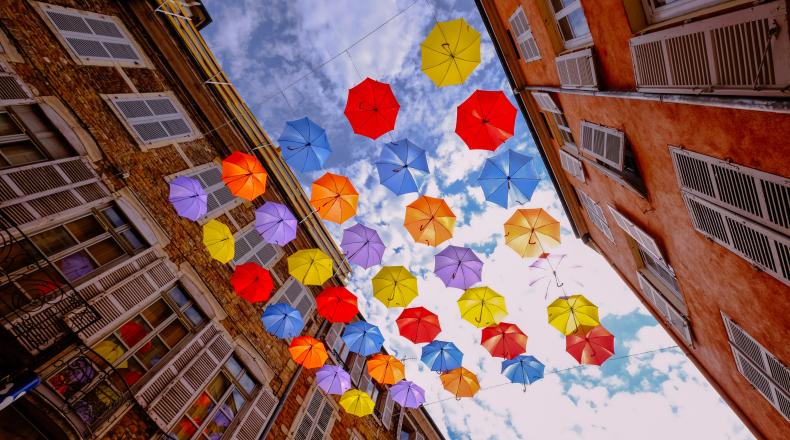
(317, 418)
(334, 342)
(325, 418)
(546, 102)
(219, 197)
(572, 165)
(604, 143)
(646, 242)
(577, 70)
(523, 35)
(251, 424)
(386, 414)
(596, 214)
(251, 247)
(153, 117)
(418, 436)
(297, 296)
(672, 316)
(358, 368)
(763, 359)
(12, 91)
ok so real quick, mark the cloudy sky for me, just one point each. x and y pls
(271, 49)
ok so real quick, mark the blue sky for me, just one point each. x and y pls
(269, 49)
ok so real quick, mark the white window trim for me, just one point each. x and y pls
(672, 10)
(170, 140)
(595, 212)
(645, 240)
(574, 42)
(577, 61)
(673, 317)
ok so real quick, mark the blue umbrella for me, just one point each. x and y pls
(363, 338)
(441, 356)
(508, 179)
(305, 146)
(397, 165)
(523, 369)
(282, 321)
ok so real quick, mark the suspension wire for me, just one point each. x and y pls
(353, 64)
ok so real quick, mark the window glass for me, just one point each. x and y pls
(233, 366)
(114, 216)
(178, 296)
(234, 403)
(76, 265)
(184, 429)
(20, 153)
(131, 371)
(54, 241)
(106, 251)
(574, 25)
(218, 425)
(133, 239)
(134, 331)
(194, 316)
(200, 408)
(78, 373)
(157, 312)
(174, 333)
(152, 352)
(218, 386)
(247, 383)
(85, 228)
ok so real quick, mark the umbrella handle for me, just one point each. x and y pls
(525, 388)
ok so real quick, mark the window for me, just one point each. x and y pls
(572, 165)
(660, 10)
(596, 214)
(555, 117)
(27, 136)
(662, 271)
(571, 22)
(338, 349)
(133, 421)
(154, 119)
(676, 320)
(251, 247)
(385, 408)
(577, 70)
(611, 155)
(527, 47)
(562, 127)
(317, 417)
(12, 90)
(297, 296)
(220, 199)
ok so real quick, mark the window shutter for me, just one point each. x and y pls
(572, 165)
(251, 247)
(418, 436)
(647, 242)
(12, 90)
(674, 318)
(604, 143)
(577, 70)
(297, 296)
(153, 117)
(316, 421)
(356, 369)
(546, 102)
(763, 359)
(324, 422)
(219, 196)
(251, 424)
(386, 415)
(596, 214)
(523, 34)
(333, 340)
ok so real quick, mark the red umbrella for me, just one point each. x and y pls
(590, 345)
(504, 340)
(132, 332)
(337, 304)
(252, 282)
(485, 120)
(371, 108)
(418, 324)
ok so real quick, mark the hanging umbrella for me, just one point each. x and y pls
(394, 286)
(371, 108)
(418, 325)
(407, 394)
(275, 223)
(485, 120)
(523, 369)
(568, 313)
(337, 304)
(188, 197)
(482, 307)
(252, 282)
(547, 267)
(357, 403)
(450, 52)
(244, 175)
(218, 241)
(362, 246)
(531, 232)
(504, 340)
(397, 165)
(311, 267)
(282, 320)
(111, 352)
(590, 345)
(386, 369)
(458, 267)
(508, 179)
(441, 356)
(308, 352)
(333, 379)
(363, 338)
(334, 198)
(461, 382)
(304, 145)
(429, 220)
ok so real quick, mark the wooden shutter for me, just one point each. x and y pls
(727, 54)
(577, 70)
(153, 117)
(671, 315)
(251, 247)
(763, 359)
(604, 143)
(596, 214)
(572, 165)
(523, 35)
(647, 242)
(545, 102)
(334, 343)
(250, 425)
(219, 197)
(386, 414)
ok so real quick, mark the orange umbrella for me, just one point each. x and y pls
(461, 382)
(386, 369)
(429, 220)
(308, 352)
(531, 232)
(334, 198)
(244, 175)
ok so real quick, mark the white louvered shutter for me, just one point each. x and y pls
(647, 242)
(577, 70)
(153, 117)
(523, 36)
(672, 316)
(250, 425)
(251, 247)
(334, 343)
(596, 214)
(604, 143)
(386, 414)
(12, 90)
(546, 102)
(572, 165)
(357, 368)
(418, 436)
(323, 426)
(309, 416)
(219, 197)
(297, 296)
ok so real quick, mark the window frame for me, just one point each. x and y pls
(596, 214)
(23, 136)
(663, 13)
(113, 100)
(524, 37)
(575, 42)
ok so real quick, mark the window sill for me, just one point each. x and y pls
(616, 177)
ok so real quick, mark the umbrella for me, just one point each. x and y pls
(371, 108)
(357, 403)
(418, 325)
(304, 145)
(275, 223)
(482, 306)
(441, 356)
(429, 220)
(244, 175)
(397, 165)
(333, 379)
(219, 241)
(133, 332)
(111, 352)
(188, 197)
(485, 120)
(362, 246)
(508, 179)
(458, 267)
(310, 266)
(334, 198)
(523, 369)
(337, 304)
(363, 338)
(547, 266)
(568, 313)
(282, 320)
(461, 382)
(308, 352)
(394, 286)
(386, 369)
(450, 52)
(504, 340)
(252, 282)
(531, 232)
(590, 345)
(407, 394)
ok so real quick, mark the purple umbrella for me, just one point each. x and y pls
(333, 379)
(188, 197)
(275, 223)
(407, 394)
(362, 246)
(458, 267)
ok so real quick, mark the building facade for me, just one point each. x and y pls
(115, 320)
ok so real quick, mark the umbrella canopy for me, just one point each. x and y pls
(407, 394)
(531, 232)
(386, 369)
(508, 179)
(282, 320)
(275, 223)
(394, 286)
(485, 120)
(252, 282)
(441, 356)
(418, 325)
(461, 382)
(310, 266)
(523, 369)
(363, 338)
(337, 304)
(482, 306)
(334, 198)
(568, 313)
(357, 403)
(371, 108)
(218, 241)
(304, 145)
(504, 340)
(398, 164)
(362, 246)
(188, 197)
(429, 221)
(450, 52)
(590, 345)
(333, 379)
(244, 175)
(458, 267)
(308, 352)
(111, 352)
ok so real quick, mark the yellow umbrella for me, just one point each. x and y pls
(357, 403)
(482, 307)
(111, 352)
(568, 313)
(532, 232)
(461, 382)
(450, 52)
(386, 369)
(219, 241)
(394, 286)
(310, 266)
